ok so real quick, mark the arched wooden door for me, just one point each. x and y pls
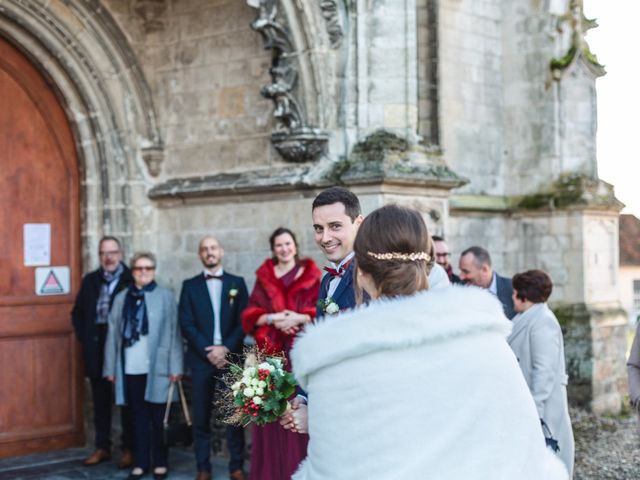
(40, 381)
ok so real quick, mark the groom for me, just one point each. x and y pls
(336, 215)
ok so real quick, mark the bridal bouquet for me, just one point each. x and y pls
(259, 390)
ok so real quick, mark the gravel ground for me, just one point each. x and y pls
(607, 448)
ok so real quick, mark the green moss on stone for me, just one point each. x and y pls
(567, 191)
(378, 145)
(564, 61)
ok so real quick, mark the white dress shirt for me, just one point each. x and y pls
(493, 288)
(335, 281)
(215, 293)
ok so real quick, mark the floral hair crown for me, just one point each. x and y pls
(405, 257)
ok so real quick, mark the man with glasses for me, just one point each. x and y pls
(443, 256)
(90, 317)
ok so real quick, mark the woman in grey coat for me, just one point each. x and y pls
(536, 339)
(143, 354)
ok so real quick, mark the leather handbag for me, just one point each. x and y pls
(179, 432)
(551, 442)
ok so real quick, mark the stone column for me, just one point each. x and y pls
(386, 66)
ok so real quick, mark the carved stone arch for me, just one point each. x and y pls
(81, 50)
(301, 35)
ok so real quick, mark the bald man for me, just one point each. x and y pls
(209, 314)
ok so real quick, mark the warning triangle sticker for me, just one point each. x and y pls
(51, 284)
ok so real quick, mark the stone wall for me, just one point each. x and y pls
(205, 66)
(471, 92)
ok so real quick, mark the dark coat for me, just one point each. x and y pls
(195, 315)
(344, 295)
(505, 290)
(83, 317)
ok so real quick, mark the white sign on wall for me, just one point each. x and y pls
(53, 281)
(37, 244)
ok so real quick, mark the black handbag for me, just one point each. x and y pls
(176, 433)
(551, 442)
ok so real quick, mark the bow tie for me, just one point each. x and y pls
(211, 277)
(337, 272)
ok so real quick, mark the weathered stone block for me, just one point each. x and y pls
(231, 102)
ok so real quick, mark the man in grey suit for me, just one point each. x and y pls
(475, 269)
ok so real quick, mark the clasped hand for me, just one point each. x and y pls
(296, 419)
(217, 355)
(287, 321)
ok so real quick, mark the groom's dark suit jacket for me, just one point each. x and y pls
(344, 295)
(505, 290)
(195, 313)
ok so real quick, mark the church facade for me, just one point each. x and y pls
(160, 121)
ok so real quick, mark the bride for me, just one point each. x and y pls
(419, 383)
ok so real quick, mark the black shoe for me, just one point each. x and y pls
(136, 476)
(161, 476)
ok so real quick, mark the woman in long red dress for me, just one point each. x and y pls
(283, 300)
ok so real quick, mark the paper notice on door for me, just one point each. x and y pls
(37, 244)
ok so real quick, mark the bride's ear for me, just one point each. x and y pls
(365, 281)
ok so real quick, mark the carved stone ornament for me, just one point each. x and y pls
(292, 137)
(300, 145)
(331, 17)
(153, 158)
(571, 25)
(151, 13)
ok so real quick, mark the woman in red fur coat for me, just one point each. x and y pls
(283, 300)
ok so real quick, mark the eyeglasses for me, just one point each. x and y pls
(143, 269)
(111, 253)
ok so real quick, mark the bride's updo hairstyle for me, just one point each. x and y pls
(394, 247)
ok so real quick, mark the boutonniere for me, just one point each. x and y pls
(233, 293)
(329, 306)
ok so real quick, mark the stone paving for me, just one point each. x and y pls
(67, 465)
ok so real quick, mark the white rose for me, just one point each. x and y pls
(250, 372)
(259, 391)
(263, 366)
(254, 382)
(332, 308)
(262, 384)
(257, 400)
(235, 386)
(248, 392)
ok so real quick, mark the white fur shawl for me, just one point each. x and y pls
(419, 387)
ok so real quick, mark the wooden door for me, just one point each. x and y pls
(40, 381)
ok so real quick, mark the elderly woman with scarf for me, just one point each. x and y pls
(143, 354)
(283, 300)
(536, 339)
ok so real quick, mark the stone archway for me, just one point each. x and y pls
(79, 48)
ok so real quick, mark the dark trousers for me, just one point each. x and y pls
(203, 386)
(147, 425)
(102, 391)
